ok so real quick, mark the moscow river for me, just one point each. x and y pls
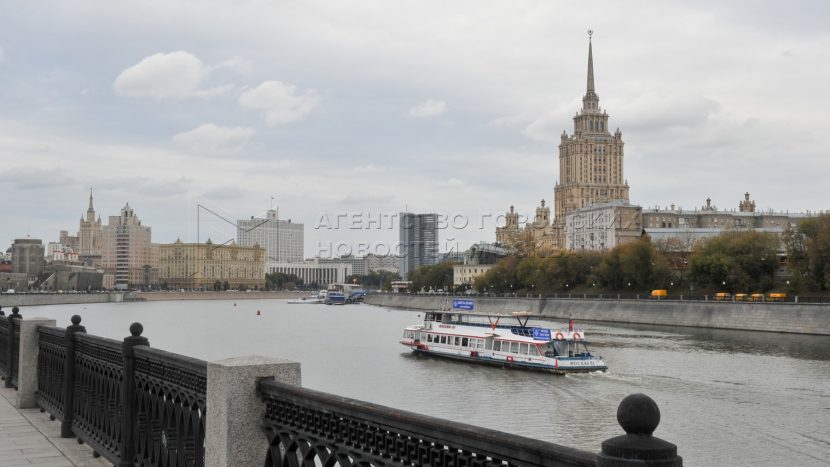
(726, 397)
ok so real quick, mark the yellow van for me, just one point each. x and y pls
(659, 293)
(723, 296)
(776, 297)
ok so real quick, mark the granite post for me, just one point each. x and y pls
(27, 361)
(234, 410)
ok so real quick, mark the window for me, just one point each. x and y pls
(457, 340)
(523, 349)
(496, 346)
(464, 342)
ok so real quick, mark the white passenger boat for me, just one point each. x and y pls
(484, 339)
(320, 297)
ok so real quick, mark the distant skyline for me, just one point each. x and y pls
(382, 107)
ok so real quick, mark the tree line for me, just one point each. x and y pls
(797, 261)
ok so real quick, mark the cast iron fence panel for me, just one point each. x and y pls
(171, 390)
(4, 346)
(51, 362)
(306, 427)
(99, 375)
(14, 363)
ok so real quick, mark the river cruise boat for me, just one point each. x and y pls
(512, 343)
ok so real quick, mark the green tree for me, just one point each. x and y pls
(438, 276)
(736, 262)
(808, 253)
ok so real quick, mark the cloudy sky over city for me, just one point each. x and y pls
(374, 107)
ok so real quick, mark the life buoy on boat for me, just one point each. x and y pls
(509, 359)
(577, 336)
(559, 336)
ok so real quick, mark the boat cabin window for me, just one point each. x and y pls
(523, 349)
(443, 339)
(457, 340)
(464, 342)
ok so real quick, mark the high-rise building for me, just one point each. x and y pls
(282, 239)
(418, 241)
(128, 252)
(28, 257)
(590, 160)
(90, 236)
(590, 172)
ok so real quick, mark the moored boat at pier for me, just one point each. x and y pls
(484, 339)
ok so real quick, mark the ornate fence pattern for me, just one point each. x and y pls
(98, 406)
(51, 361)
(170, 404)
(306, 427)
(4, 346)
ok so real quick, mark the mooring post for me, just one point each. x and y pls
(28, 361)
(69, 376)
(233, 433)
(639, 416)
(128, 416)
(12, 356)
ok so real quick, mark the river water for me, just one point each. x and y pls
(726, 397)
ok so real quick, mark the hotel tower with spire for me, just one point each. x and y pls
(590, 172)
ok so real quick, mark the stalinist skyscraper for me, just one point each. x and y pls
(590, 160)
(90, 236)
(590, 172)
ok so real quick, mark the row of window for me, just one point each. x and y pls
(519, 348)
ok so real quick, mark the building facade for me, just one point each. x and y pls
(603, 226)
(282, 239)
(315, 272)
(128, 253)
(203, 265)
(389, 263)
(590, 172)
(466, 274)
(28, 257)
(418, 241)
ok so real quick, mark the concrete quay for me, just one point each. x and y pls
(29, 437)
(796, 318)
(39, 299)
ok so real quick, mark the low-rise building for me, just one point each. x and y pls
(466, 274)
(202, 265)
(315, 272)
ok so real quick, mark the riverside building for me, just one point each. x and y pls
(590, 172)
(205, 265)
(418, 241)
(128, 253)
(282, 239)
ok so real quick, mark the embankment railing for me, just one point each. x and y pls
(136, 405)
(10, 347)
(325, 429)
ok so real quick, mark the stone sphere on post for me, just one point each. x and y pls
(136, 329)
(638, 414)
(76, 320)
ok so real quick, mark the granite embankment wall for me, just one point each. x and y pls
(8, 301)
(774, 317)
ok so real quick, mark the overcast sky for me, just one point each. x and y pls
(375, 107)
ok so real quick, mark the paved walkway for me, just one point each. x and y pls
(28, 437)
